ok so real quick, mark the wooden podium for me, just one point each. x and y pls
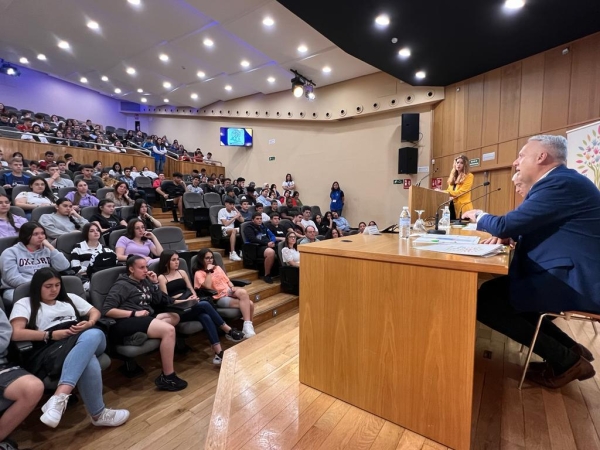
(390, 328)
(425, 199)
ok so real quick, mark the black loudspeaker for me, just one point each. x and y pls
(410, 128)
(407, 160)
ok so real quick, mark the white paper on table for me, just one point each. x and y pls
(484, 250)
(447, 239)
(371, 230)
(471, 226)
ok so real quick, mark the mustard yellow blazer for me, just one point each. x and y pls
(463, 202)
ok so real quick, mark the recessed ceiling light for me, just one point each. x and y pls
(41, 57)
(201, 74)
(271, 80)
(326, 69)
(420, 74)
(382, 20)
(117, 91)
(134, 2)
(93, 25)
(514, 4)
(64, 45)
(104, 78)
(269, 22)
(208, 42)
(130, 71)
(228, 88)
(302, 49)
(140, 90)
(194, 96)
(83, 79)
(163, 57)
(166, 100)
(23, 60)
(144, 99)
(404, 52)
(167, 85)
(245, 63)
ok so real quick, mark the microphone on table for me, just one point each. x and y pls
(447, 202)
(463, 222)
(419, 182)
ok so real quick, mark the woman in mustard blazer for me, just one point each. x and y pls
(459, 182)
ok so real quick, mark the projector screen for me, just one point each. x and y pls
(236, 137)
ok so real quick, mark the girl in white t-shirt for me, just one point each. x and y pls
(40, 195)
(289, 253)
(48, 315)
(288, 184)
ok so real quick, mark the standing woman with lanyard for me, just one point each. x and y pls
(459, 182)
(337, 198)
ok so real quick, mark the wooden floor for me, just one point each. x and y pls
(262, 405)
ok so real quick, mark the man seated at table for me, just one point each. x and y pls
(556, 264)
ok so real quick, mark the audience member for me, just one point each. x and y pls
(288, 184)
(140, 211)
(306, 217)
(372, 223)
(106, 219)
(297, 225)
(159, 151)
(120, 195)
(297, 201)
(228, 217)
(55, 181)
(64, 220)
(275, 226)
(245, 209)
(332, 234)
(361, 227)
(264, 197)
(33, 169)
(337, 198)
(341, 222)
(107, 179)
(208, 275)
(289, 252)
(40, 195)
(257, 233)
(195, 186)
(8, 180)
(229, 193)
(138, 241)
(288, 211)
(48, 159)
(33, 252)
(174, 191)
(322, 227)
(156, 183)
(116, 171)
(259, 208)
(83, 255)
(81, 198)
(35, 134)
(310, 232)
(9, 223)
(94, 183)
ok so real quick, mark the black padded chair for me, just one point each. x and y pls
(315, 210)
(18, 189)
(67, 242)
(38, 212)
(217, 239)
(250, 252)
(212, 199)
(171, 238)
(17, 211)
(288, 275)
(88, 212)
(127, 211)
(114, 237)
(99, 288)
(101, 193)
(145, 184)
(195, 213)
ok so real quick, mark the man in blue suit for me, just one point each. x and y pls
(556, 265)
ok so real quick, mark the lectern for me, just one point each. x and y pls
(426, 199)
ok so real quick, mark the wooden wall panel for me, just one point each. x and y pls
(482, 203)
(491, 107)
(438, 129)
(459, 118)
(584, 99)
(474, 125)
(501, 202)
(510, 97)
(507, 153)
(532, 89)
(557, 82)
(448, 121)
(492, 163)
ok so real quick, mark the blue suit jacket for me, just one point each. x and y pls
(556, 266)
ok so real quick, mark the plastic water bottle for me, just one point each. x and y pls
(444, 223)
(404, 223)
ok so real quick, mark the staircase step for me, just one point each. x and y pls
(230, 265)
(243, 274)
(273, 306)
(197, 243)
(259, 290)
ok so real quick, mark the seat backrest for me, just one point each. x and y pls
(102, 282)
(2, 191)
(212, 199)
(126, 211)
(280, 246)
(182, 266)
(7, 242)
(18, 189)
(38, 212)
(73, 285)
(193, 200)
(67, 242)
(88, 212)
(114, 237)
(143, 182)
(171, 238)
(286, 223)
(77, 177)
(62, 192)
(17, 211)
(213, 212)
(315, 210)
(243, 227)
(101, 193)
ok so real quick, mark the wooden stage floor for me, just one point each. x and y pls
(260, 404)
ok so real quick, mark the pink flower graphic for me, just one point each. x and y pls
(589, 158)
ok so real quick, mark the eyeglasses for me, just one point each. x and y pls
(208, 257)
(291, 237)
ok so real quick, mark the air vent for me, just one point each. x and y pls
(248, 113)
(302, 114)
(343, 113)
(290, 114)
(278, 114)
(393, 102)
(430, 94)
(257, 113)
(328, 115)
(359, 109)
(375, 106)
(267, 114)
(409, 99)
(315, 115)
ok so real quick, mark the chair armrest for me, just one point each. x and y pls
(250, 251)
(240, 283)
(23, 346)
(203, 292)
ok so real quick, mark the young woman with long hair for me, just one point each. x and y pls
(81, 198)
(40, 195)
(289, 253)
(460, 182)
(141, 212)
(138, 241)
(85, 251)
(337, 198)
(288, 184)
(9, 223)
(120, 196)
(106, 218)
(50, 316)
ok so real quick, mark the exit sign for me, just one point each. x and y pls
(398, 181)
(271, 158)
(474, 162)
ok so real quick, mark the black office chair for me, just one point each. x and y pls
(195, 213)
(288, 275)
(145, 184)
(251, 255)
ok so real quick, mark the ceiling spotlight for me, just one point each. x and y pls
(117, 91)
(23, 60)
(130, 71)
(104, 78)
(166, 100)
(267, 21)
(64, 45)
(9, 69)
(298, 86)
(382, 20)
(514, 4)
(134, 2)
(309, 92)
(302, 86)
(41, 57)
(194, 96)
(228, 88)
(201, 74)
(83, 79)
(163, 57)
(208, 42)
(404, 52)
(326, 69)
(93, 25)
(167, 85)
(140, 90)
(420, 74)
(271, 80)
(245, 63)
(144, 99)
(303, 49)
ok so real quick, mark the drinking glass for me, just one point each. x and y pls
(419, 226)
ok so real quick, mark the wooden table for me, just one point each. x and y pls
(390, 328)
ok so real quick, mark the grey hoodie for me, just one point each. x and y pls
(18, 265)
(5, 334)
(55, 224)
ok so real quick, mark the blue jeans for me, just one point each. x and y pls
(82, 369)
(208, 317)
(159, 164)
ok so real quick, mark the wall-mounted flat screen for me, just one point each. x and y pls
(236, 137)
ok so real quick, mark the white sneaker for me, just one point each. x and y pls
(54, 409)
(248, 329)
(234, 256)
(217, 360)
(111, 418)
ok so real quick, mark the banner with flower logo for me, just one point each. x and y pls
(584, 151)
